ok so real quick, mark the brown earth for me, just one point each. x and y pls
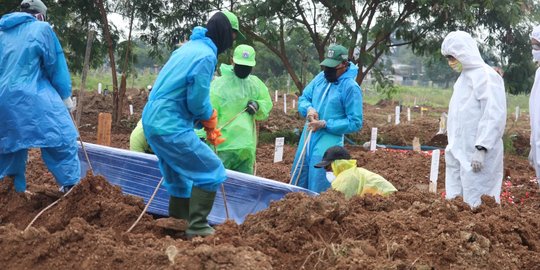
(412, 229)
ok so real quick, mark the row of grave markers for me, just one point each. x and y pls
(435, 157)
(276, 100)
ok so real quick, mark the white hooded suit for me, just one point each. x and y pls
(476, 117)
(534, 109)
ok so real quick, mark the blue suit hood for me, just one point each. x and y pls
(352, 72)
(14, 19)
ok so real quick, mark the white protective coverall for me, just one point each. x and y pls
(534, 110)
(476, 117)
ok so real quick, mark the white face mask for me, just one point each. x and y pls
(536, 55)
(330, 176)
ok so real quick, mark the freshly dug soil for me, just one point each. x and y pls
(408, 230)
(411, 229)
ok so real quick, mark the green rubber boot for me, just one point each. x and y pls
(200, 206)
(179, 208)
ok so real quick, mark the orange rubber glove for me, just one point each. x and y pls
(213, 136)
(212, 122)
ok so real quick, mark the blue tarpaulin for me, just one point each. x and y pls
(138, 174)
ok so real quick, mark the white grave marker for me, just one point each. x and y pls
(294, 103)
(99, 88)
(285, 103)
(434, 173)
(275, 99)
(373, 143)
(397, 115)
(408, 114)
(278, 150)
(130, 109)
(517, 113)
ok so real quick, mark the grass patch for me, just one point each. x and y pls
(436, 97)
(290, 136)
(141, 80)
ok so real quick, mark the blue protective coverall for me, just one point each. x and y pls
(179, 98)
(34, 79)
(341, 108)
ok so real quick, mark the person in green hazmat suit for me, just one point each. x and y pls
(345, 177)
(240, 99)
(137, 141)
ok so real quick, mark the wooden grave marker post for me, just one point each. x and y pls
(104, 129)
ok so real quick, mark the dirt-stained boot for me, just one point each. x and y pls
(179, 207)
(178, 215)
(199, 208)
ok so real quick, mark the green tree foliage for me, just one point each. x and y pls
(520, 69)
(71, 20)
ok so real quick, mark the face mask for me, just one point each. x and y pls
(39, 17)
(242, 71)
(330, 176)
(455, 65)
(536, 55)
(330, 74)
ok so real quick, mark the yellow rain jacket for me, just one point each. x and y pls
(351, 180)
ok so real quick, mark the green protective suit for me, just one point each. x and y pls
(229, 95)
(352, 180)
(137, 141)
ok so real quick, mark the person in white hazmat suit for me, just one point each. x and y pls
(534, 106)
(476, 122)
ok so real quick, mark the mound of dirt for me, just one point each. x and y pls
(439, 140)
(82, 246)
(405, 231)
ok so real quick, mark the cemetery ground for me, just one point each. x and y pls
(411, 229)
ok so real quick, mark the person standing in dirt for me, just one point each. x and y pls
(235, 91)
(476, 122)
(534, 106)
(35, 90)
(178, 103)
(332, 104)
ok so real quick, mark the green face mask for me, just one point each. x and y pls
(455, 65)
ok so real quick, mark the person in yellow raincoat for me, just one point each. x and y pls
(346, 177)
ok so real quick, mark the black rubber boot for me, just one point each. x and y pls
(179, 208)
(200, 206)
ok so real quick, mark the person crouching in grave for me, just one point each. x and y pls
(345, 177)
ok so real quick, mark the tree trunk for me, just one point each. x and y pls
(123, 83)
(80, 98)
(117, 111)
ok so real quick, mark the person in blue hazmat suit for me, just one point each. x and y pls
(35, 89)
(476, 122)
(332, 104)
(180, 102)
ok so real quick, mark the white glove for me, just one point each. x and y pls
(69, 104)
(477, 162)
(531, 161)
(312, 115)
(317, 124)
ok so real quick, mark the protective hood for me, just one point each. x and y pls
(463, 47)
(351, 72)
(220, 31)
(536, 33)
(341, 165)
(226, 70)
(14, 19)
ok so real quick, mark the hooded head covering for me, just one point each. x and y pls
(463, 47)
(34, 6)
(220, 31)
(536, 33)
